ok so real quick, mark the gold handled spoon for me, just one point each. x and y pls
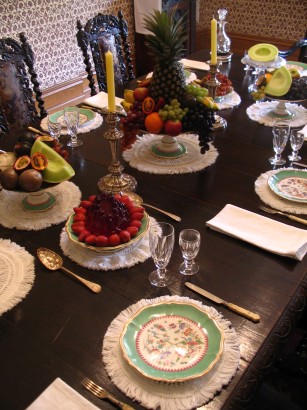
(53, 261)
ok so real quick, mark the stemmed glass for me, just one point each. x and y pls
(71, 116)
(296, 141)
(161, 246)
(189, 242)
(54, 128)
(281, 130)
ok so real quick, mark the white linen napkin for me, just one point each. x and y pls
(198, 65)
(273, 236)
(100, 100)
(59, 396)
(142, 8)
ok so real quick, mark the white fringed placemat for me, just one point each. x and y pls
(13, 215)
(259, 112)
(97, 121)
(169, 396)
(137, 252)
(16, 274)
(270, 198)
(229, 101)
(141, 158)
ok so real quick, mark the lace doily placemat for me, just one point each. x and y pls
(259, 112)
(169, 396)
(97, 121)
(229, 101)
(137, 252)
(16, 274)
(13, 215)
(270, 198)
(140, 156)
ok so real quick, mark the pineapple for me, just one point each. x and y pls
(166, 45)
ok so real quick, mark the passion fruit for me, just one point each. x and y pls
(9, 179)
(39, 161)
(46, 139)
(22, 163)
(30, 180)
(22, 148)
(29, 137)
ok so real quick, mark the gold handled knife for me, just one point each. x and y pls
(243, 312)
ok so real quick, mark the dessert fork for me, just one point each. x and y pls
(273, 211)
(103, 394)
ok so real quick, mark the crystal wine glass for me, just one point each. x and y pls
(281, 130)
(54, 128)
(189, 242)
(71, 116)
(161, 247)
(296, 141)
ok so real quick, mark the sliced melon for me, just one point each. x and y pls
(57, 170)
(280, 83)
(263, 52)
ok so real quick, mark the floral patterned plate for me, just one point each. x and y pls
(172, 342)
(290, 184)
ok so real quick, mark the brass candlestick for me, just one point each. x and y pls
(116, 181)
(213, 83)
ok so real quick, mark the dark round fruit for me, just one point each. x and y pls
(27, 137)
(188, 101)
(22, 163)
(30, 180)
(23, 148)
(9, 179)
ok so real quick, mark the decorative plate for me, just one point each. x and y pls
(296, 64)
(107, 249)
(290, 184)
(85, 117)
(172, 342)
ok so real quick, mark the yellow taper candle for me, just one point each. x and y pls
(110, 81)
(213, 41)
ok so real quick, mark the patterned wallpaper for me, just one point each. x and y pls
(50, 26)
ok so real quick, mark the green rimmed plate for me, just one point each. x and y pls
(290, 184)
(85, 117)
(107, 249)
(296, 64)
(172, 342)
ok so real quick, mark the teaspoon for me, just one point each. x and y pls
(53, 261)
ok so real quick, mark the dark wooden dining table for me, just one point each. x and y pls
(57, 330)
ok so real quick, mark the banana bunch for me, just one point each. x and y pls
(210, 103)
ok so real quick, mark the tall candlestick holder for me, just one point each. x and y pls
(116, 181)
(212, 84)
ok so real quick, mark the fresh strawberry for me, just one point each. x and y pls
(114, 240)
(137, 209)
(77, 229)
(136, 222)
(133, 230)
(85, 204)
(124, 236)
(101, 240)
(83, 235)
(79, 217)
(91, 239)
(137, 215)
(79, 209)
(92, 198)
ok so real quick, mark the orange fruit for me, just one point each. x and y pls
(153, 123)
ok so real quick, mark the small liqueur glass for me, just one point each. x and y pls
(296, 141)
(189, 242)
(161, 246)
(54, 128)
(281, 130)
(71, 116)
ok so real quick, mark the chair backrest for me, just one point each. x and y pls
(300, 45)
(18, 85)
(99, 34)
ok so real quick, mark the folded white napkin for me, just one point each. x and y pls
(198, 65)
(59, 396)
(304, 131)
(144, 8)
(263, 232)
(100, 100)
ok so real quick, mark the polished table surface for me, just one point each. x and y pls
(57, 330)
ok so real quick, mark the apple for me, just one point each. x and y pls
(173, 127)
(140, 93)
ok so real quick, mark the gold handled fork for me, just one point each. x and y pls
(103, 394)
(273, 211)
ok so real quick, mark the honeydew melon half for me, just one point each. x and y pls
(263, 52)
(279, 83)
(57, 170)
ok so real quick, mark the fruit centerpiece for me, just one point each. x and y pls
(164, 104)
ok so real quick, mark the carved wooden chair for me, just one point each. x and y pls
(101, 33)
(18, 86)
(300, 45)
